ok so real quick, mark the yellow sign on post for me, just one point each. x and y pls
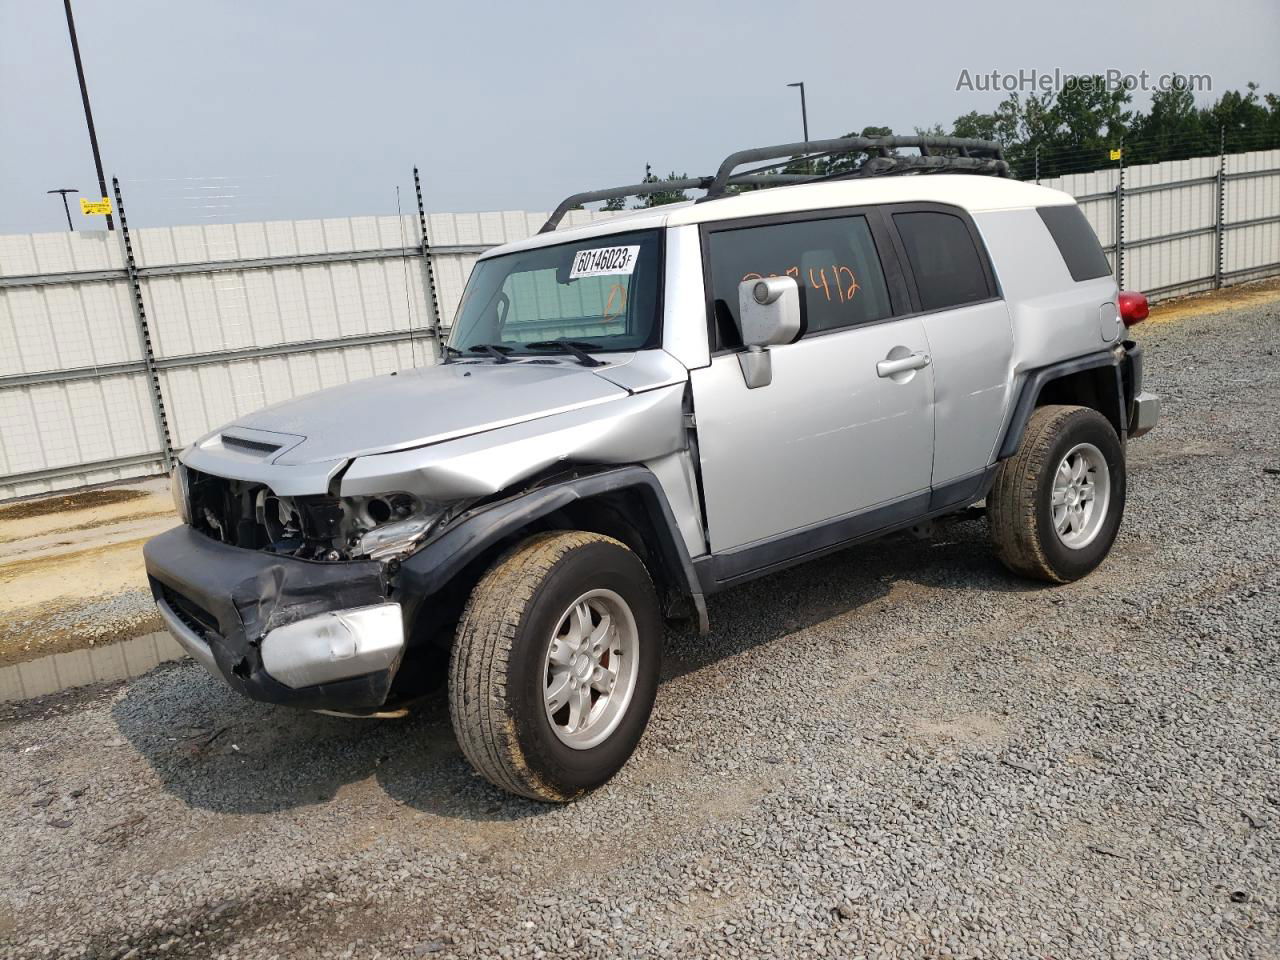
(100, 207)
(1115, 155)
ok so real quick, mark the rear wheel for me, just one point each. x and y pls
(1056, 504)
(555, 667)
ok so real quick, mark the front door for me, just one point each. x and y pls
(845, 425)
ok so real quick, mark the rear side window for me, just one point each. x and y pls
(833, 261)
(1076, 241)
(945, 260)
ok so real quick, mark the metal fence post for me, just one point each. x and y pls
(144, 331)
(429, 268)
(1219, 224)
(1037, 164)
(1119, 227)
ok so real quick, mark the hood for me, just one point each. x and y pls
(416, 407)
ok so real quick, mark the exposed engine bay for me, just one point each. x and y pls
(325, 528)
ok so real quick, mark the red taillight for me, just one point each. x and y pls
(1133, 307)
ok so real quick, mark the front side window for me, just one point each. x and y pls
(944, 259)
(600, 293)
(833, 261)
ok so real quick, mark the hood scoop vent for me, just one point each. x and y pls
(253, 443)
(249, 446)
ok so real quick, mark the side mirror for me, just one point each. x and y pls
(769, 311)
(769, 315)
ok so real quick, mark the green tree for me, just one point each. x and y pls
(979, 126)
(1243, 118)
(1075, 130)
(1173, 129)
(662, 197)
(841, 162)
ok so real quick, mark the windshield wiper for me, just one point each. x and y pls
(494, 350)
(578, 348)
(450, 351)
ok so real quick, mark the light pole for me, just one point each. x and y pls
(88, 114)
(804, 110)
(64, 191)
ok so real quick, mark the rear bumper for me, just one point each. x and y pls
(321, 636)
(1146, 414)
(1143, 408)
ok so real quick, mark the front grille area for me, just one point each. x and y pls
(225, 509)
(247, 514)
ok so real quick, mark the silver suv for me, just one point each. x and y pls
(638, 413)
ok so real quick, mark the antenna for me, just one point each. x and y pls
(404, 259)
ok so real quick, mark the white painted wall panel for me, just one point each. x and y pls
(50, 425)
(205, 396)
(35, 253)
(64, 326)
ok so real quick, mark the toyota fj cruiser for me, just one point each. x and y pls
(635, 414)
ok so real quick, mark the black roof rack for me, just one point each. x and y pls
(962, 155)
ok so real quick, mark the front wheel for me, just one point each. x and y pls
(1056, 504)
(555, 667)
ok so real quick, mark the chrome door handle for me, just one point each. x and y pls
(917, 361)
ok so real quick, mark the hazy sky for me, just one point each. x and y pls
(267, 109)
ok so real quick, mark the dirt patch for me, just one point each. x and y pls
(1216, 301)
(51, 567)
(94, 524)
(89, 597)
(60, 515)
(966, 728)
(71, 569)
(84, 500)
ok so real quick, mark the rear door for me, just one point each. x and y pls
(969, 331)
(832, 435)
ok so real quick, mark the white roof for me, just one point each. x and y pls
(970, 192)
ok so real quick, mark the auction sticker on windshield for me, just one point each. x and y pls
(604, 261)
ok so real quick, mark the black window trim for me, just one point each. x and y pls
(993, 287)
(904, 295)
(886, 247)
(658, 336)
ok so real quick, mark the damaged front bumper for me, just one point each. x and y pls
(320, 636)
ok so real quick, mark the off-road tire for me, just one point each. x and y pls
(497, 669)
(1019, 506)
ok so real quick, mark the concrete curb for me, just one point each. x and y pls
(78, 668)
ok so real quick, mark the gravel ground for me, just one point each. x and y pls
(898, 751)
(71, 572)
(64, 624)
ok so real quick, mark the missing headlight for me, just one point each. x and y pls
(324, 528)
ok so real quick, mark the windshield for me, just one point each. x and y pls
(599, 294)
